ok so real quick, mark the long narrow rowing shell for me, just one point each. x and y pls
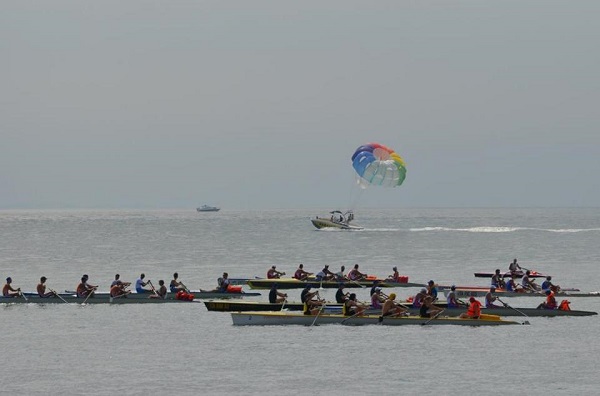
(477, 292)
(287, 318)
(245, 306)
(34, 299)
(290, 283)
(517, 274)
(198, 294)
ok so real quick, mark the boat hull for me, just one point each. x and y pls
(325, 223)
(286, 318)
(518, 274)
(71, 299)
(477, 292)
(248, 306)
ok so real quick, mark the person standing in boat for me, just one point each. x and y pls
(428, 310)
(176, 285)
(355, 274)
(300, 274)
(474, 311)
(272, 273)
(514, 267)
(550, 302)
(275, 296)
(8, 290)
(41, 289)
(161, 292)
(490, 298)
(140, 284)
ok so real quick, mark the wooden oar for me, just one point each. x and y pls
(23, 295)
(318, 313)
(283, 305)
(153, 289)
(514, 309)
(434, 317)
(58, 295)
(88, 296)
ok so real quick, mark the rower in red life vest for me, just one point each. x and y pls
(550, 302)
(474, 310)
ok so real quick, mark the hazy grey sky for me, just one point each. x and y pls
(260, 104)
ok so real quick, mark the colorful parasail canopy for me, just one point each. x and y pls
(376, 164)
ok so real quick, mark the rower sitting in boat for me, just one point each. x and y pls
(451, 299)
(222, 284)
(490, 298)
(300, 274)
(311, 301)
(355, 274)
(428, 310)
(498, 280)
(529, 284)
(118, 279)
(340, 296)
(474, 311)
(377, 299)
(550, 302)
(84, 289)
(8, 290)
(119, 289)
(395, 277)
(514, 267)
(272, 273)
(432, 290)
(276, 297)
(548, 285)
(511, 285)
(339, 276)
(41, 289)
(392, 308)
(352, 307)
(176, 285)
(325, 274)
(161, 292)
(140, 283)
(418, 298)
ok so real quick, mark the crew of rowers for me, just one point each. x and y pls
(118, 288)
(327, 275)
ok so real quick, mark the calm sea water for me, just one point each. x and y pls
(182, 348)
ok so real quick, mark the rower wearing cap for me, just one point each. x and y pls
(8, 290)
(41, 289)
(418, 298)
(272, 273)
(451, 299)
(490, 298)
(375, 286)
(474, 310)
(550, 302)
(395, 277)
(392, 308)
(432, 290)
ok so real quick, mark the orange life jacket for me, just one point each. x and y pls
(474, 310)
(564, 305)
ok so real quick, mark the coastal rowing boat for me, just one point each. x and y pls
(291, 283)
(481, 292)
(101, 299)
(291, 318)
(245, 306)
(517, 274)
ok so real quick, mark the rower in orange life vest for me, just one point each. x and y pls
(474, 310)
(550, 302)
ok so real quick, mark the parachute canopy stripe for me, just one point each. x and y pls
(379, 165)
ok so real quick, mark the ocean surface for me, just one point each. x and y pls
(70, 349)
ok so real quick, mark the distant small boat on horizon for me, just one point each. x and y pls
(207, 208)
